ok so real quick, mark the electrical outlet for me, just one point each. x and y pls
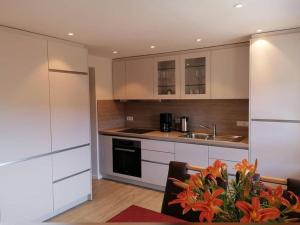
(129, 118)
(242, 123)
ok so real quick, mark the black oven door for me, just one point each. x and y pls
(127, 157)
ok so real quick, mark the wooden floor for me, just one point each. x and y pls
(110, 198)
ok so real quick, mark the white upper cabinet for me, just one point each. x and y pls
(167, 78)
(139, 78)
(275, 79)
(119, 79)
(195, 75)
(67, 56)
(24, 96)
(230, 73)
(69, 100)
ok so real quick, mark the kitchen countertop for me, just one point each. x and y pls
(175, 136)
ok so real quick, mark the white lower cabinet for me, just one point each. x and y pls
(106, 156)
(26, 190)
(154, 173)
(154, 156)
(71, 162)
(69, 192)
(192, 154)
(230, 154)
(276, 147)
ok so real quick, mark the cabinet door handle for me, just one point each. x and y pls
(124, 150)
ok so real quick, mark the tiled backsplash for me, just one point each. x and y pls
(225, 113)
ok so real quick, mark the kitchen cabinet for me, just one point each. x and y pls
(162, 146)
(67, 56)
(276, 146)
(167, 77)
(155, 166)
(70, 116)
(140, 78)
(106, 157)
(192, 154)
(71, 162)
(26, 191)
(230, 156)
(119, 79)
(24, 96)
(274, 74)
(230, 73)
(156, 156)
(71, 191)
(195, 76)
(154, 173)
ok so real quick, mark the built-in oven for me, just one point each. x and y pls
(127, 157)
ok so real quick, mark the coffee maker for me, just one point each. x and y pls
(165, 122)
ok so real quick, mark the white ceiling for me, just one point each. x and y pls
(131, 26)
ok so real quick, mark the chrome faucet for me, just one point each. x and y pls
(213, 129)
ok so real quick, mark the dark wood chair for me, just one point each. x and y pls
(179, 170)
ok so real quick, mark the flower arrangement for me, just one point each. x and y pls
(244, 199)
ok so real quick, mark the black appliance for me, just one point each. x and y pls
(136, 130)
(127, 157)
(165, 122)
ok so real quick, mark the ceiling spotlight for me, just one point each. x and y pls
(259, 31)
(238, 5)
(71, 34)
(199, 40)
(152, 46)
(115, 52)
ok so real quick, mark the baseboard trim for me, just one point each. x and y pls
(134, 182)
(72, 205)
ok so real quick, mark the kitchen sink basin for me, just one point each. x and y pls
(203, 136)
(198, 136)
(231, 138)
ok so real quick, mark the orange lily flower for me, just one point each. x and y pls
(253, 212)
(274, 196)
(209, 206)
(186, 199)
(245, 167)
(296, 206)
(216, 168)
(195, 181)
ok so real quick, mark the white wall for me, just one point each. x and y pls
(103, 70)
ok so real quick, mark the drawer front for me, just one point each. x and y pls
(231, 154)
(154, 173)
(71, 190)
(196, 155)
(230, 165)
(162, 146)
(161, 157)
(71, 162)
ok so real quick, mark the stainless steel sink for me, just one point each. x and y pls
(198, 136)
(203, 136)
(231, 138)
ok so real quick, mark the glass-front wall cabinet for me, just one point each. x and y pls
(195, 75)
(166, 85)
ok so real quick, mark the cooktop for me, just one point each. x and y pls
(136, 130)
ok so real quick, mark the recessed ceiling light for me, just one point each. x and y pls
(71, 34)
(259, 30)
(115, 52)
(199, 40)
(152, 46)
(238, 5)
